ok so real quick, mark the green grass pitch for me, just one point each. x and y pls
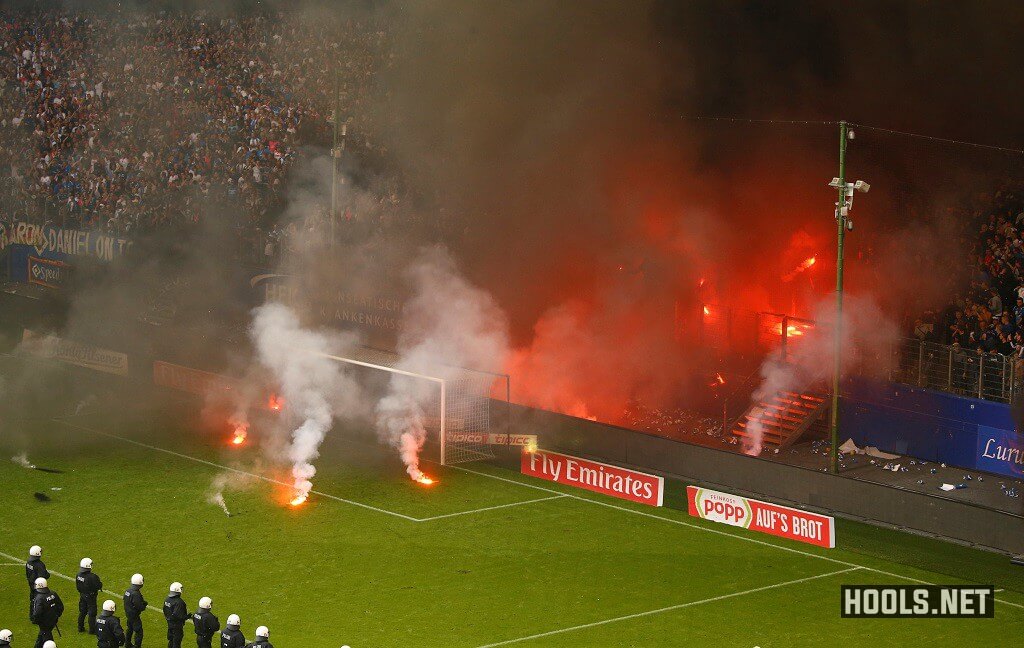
(486, 557)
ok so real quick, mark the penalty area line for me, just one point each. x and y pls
(670, 608)
(492, 508)
(235, 470)
(716, 531)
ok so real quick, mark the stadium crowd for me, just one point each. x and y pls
(133, 123)
(46, 609)
(988, 317)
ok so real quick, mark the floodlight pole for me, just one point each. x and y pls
(837, 325)
(335, 154)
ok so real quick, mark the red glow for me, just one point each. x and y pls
(240, 432)
(804, 265)
(275, 403)
(791, 330)
(707, 311)
(298, 500)
(423, 479)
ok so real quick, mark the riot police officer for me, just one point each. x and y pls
(34, 568)
(231, 636)
(134, 606)
(109, 633)
(262, 639)
(6, 636)
(46, 610)
(176, 614)
(89, 586)
(206, 624)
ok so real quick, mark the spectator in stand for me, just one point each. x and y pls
(131, 122)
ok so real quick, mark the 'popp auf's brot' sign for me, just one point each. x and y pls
(782, 521)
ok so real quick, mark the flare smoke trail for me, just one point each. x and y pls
(447, 323)
(218, 499)
(868, 336)
(314, 386)
(227, 481)
(22, 460)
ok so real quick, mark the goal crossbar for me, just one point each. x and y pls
(458, 387)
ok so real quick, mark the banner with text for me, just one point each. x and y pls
(782, 521)
(593, 476)
(491, 438)
(193, 381)
(47, 272)
(59, 243)
(76, 353)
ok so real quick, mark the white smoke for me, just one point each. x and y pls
(446, 323)
(22, 460)
(400, 423)
(218, 499)
(868, 337)
(315, 388)
(230, 480)
(85, 402)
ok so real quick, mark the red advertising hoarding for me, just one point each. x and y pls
(593, 476)
(782, 521)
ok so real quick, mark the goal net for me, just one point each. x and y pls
(464, 411)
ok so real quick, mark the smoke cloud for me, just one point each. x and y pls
(315, 388)
(447, 324)
(868, 338)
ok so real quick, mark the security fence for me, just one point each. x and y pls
(751, 335)
(966, 372)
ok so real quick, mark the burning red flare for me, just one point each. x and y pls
(275, 402)
(419, 477)
(806, 263)
(299, 500)
(791, 331)
(707, 311)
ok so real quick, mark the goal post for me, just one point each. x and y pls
(465, 411)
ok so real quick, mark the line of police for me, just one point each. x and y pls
(46, 608)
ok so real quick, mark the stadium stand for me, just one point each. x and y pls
(133, 122)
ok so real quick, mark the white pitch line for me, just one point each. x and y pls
(235, 470)
(715, 531)
(670, 608)
(492, 508)
(519, 483)
(274, 481)
(72, 579)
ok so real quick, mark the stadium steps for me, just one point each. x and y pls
(784, 418)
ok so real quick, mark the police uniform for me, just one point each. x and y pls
(89, 586)
(232, 637)
(260, 642)
(176, 614)
(134, 606)
(109, 633)
(4, 643)
(34, 568)
(46, 610)
(206, 625)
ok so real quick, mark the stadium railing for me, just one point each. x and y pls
(941, 367)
